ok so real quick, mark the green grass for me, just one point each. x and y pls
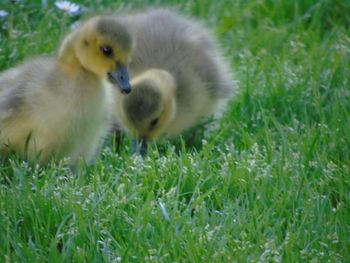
(270, 182)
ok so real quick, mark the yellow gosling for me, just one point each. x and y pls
(60, 107)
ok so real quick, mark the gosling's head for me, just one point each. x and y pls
(148, 109)
(103, 46)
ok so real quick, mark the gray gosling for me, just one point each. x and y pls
(60, 107)
(177, 73)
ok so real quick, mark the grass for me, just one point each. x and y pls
(270, 182)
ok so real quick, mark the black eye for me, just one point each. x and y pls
(107, 51)
(154, 122)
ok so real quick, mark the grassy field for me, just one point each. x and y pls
(270, 182)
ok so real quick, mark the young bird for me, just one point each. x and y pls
(60, 107)
(178, 76)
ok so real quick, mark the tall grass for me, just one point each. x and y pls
(270, 182)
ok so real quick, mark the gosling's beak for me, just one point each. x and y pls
(121, 79)
(143, 150)
(135, 147)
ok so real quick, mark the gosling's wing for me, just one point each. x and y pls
(10, 102)
(21, 87)
(12, 87)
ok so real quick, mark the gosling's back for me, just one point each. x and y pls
(165, 40)
(34, 100)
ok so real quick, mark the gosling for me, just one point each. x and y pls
(178, 76)
(55, 108)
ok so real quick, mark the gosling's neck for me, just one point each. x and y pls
(67, 55)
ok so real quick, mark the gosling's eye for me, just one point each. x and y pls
(107, 51)
(154, 122)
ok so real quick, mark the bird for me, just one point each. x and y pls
(58, 107)
(178, 75)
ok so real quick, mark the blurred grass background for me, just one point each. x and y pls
(270, 182)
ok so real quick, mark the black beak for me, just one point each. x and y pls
(121, 79)
(143, 150)
(135, 147)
